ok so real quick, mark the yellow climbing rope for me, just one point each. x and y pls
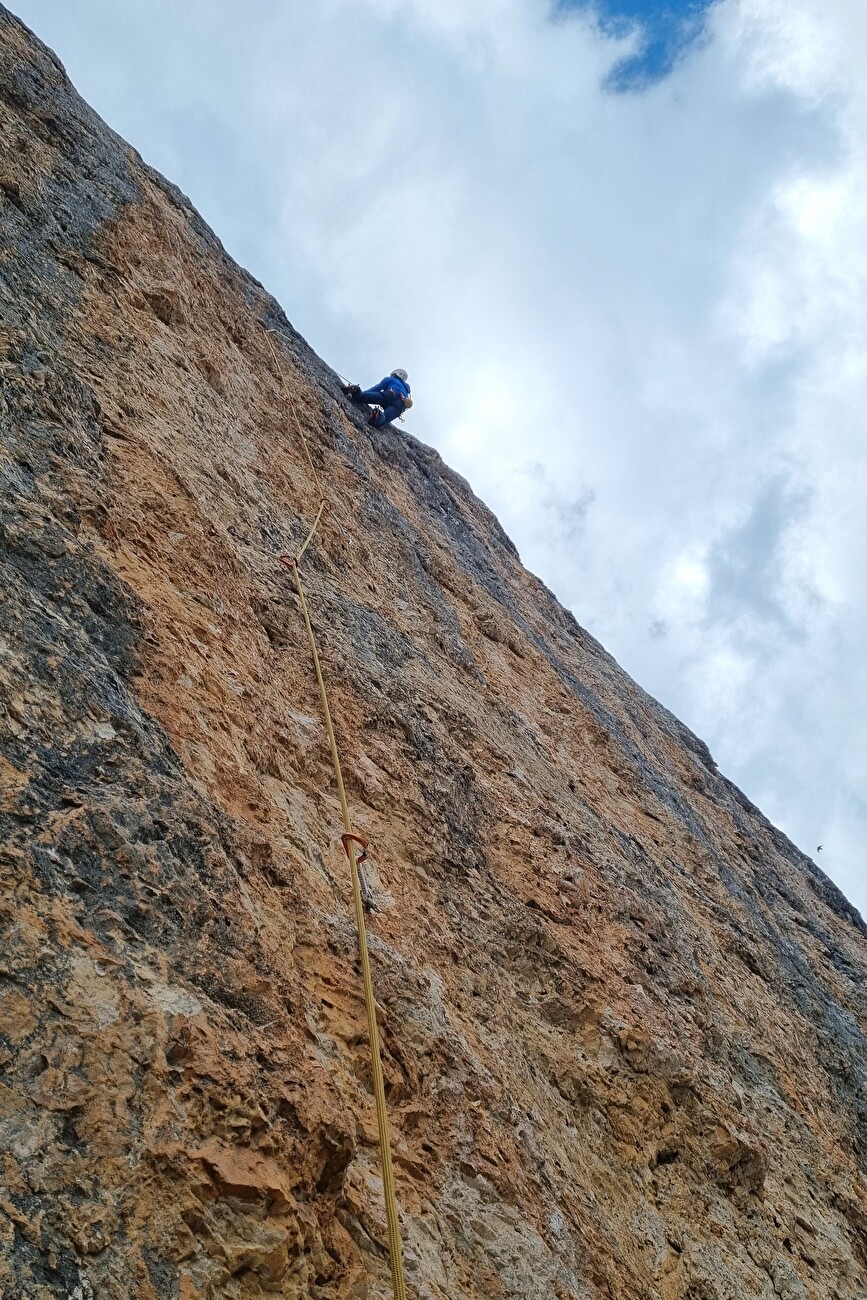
(351, 844)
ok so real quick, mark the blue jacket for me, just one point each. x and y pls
(393, 383)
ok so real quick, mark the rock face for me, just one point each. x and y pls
(623, 1018)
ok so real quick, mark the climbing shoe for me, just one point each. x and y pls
(375, 413)
(351, 390)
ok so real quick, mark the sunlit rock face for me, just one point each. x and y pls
(623, 1018)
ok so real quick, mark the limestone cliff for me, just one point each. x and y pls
(623, 1017)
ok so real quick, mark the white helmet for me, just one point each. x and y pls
(400, 374)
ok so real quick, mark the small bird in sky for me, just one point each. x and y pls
(818, 848)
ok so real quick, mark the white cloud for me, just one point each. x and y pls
(636, 323)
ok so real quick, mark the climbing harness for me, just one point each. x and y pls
(355, 849)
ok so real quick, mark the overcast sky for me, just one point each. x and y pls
(623, 255)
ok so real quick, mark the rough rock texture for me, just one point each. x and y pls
(623, 1017)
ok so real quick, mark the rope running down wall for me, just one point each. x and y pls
(351, 845)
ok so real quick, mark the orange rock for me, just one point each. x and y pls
(623, 1019)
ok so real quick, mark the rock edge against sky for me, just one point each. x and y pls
(623, 1017)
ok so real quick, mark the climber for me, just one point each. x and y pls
(389, 398)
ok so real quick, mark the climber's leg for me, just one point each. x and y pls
(385, 417)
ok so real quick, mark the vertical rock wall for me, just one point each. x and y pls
(623, 1018)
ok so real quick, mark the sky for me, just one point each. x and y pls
(622, 251)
